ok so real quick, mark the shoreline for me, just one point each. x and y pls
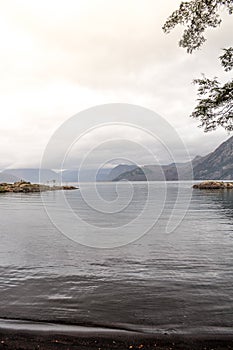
(30, 340)
(26, 335)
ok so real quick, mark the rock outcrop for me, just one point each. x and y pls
(28, 187)
(214, 185)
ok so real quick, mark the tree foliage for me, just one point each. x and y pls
(215, 102)
(197, 15)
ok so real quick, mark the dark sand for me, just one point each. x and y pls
(30, 340)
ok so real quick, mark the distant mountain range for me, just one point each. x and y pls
(28, 174)
(47, 175)
(5, 177)
(217, 165)
(86, 175)
(120, 169)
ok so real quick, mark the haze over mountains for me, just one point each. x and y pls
(28, 174)
(217, 165)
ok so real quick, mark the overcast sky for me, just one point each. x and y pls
(60, 57)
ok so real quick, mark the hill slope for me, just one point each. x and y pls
(217, 165)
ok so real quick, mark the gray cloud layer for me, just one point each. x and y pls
(58, 58)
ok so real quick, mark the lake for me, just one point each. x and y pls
(152, 281)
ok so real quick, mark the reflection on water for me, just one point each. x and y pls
(162, 281)
(225, 200)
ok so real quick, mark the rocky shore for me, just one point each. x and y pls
(28, 187)
(214, 185)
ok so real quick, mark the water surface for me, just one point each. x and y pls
(175, 282)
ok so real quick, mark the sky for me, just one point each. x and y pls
(61, 57)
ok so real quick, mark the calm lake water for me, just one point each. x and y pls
(166, 282)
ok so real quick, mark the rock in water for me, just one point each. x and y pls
(27, 187)
(213, 185)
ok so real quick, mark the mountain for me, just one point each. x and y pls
(33, 175)
(103, 174)
(154, 173)
(217, 165)
(158, 173)
(85, 175)
(136, 174)
(37, 175)
(120, 169)
(69, 176)
(9, 178)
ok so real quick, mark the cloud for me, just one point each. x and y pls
(58, 58)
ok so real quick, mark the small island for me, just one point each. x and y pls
(214, 185)
(28, 187)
